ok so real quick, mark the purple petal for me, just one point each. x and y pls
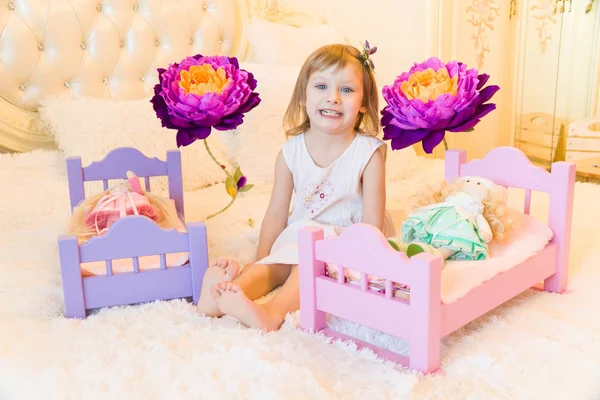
(483, 78)
(470, 124)
(432, 140)
(473, 120)
(487, 93)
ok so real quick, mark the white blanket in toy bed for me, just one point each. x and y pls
(459, 277)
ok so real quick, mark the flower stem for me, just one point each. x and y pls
(445, 143)
(224, 209)
(215, 160)
(226, 173)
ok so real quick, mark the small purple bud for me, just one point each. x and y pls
(242, 182)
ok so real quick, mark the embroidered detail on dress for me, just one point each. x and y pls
(315, 196)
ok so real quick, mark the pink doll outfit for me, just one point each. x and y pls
(125, 199)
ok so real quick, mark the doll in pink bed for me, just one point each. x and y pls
(456, 221)
(96, 214)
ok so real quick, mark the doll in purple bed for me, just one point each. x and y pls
(456, 221)
(96, 214)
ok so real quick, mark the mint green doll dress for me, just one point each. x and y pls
(450, 224)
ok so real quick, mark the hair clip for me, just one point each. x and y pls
(367, 51)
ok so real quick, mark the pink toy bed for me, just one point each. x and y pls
(142, 262)
(411, 304)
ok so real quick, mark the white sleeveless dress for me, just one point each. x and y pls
(326, 197)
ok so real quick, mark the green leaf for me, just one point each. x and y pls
(246, 188)
(230, 187)
(470, 130)
(237, 174)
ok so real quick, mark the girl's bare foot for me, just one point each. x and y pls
(232, 301)
(224, 270)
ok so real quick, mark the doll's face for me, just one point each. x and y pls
(475, 189)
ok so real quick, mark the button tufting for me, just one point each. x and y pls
(142, 78)
(11, 6)
(67, 84)
(40, 47)
(191, 41)
(105, 81)
(136, 7)
(220, 40)
(99, 7)
(204, 7)
(83, 45)
(156, 43)
(121, 43)
(22, 86)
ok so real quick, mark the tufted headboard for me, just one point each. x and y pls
(101, 49)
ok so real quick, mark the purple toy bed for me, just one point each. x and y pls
(131, 238)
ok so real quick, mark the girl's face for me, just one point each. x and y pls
(334, 98)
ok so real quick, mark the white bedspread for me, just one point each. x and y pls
(167, 350)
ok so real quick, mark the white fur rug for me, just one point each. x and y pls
(538, 346)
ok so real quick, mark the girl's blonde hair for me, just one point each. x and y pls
(296, 121)
(495, 210)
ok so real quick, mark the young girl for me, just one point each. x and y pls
(334, 167)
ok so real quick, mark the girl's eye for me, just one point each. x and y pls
(347, 90)
(320, 86)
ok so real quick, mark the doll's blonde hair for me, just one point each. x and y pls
(495, 210)
(167, 217)
(296, 121)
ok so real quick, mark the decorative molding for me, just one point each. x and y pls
(543, 12)
(483, 13)
(279, 12)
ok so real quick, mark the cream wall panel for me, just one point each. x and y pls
(404, 31)
(482, 35)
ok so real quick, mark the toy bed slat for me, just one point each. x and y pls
(506, 166)
(117, 242)
(136, 264)
(390, 263)
(511, 282)
(560, 218)
(363, 307)
(130, 287)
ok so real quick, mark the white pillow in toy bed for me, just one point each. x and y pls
(90, 128)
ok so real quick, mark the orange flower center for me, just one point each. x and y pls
(429, 85)
(201, 79)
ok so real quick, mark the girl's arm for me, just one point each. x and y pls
(373, 211)
(276, 217)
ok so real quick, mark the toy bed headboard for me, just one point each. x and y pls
(101, 49)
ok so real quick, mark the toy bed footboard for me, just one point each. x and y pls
(363, 248)
(132, 237)
(423, 320)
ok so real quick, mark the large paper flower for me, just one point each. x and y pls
(431, 99)
(201, 93)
